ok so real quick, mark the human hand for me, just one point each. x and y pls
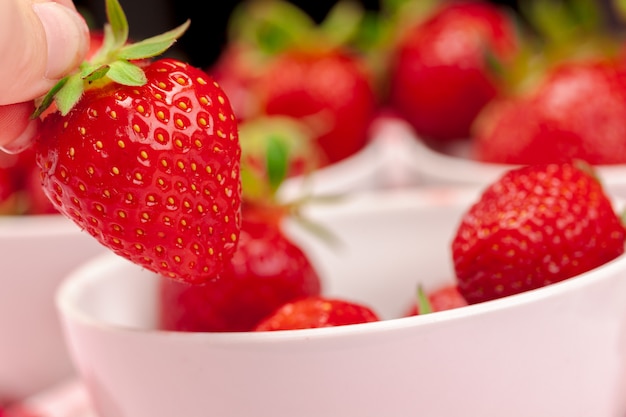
(40, 42)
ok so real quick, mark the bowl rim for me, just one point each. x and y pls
(92, 271)
(369, 159)
(422, 158)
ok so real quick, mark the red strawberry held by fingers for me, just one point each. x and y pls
(147, 161)
(537, 225)
(316, 312)
(440, 76)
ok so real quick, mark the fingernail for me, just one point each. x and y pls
(24, 141)
(67, 37)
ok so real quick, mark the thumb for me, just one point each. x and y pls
(40, 42)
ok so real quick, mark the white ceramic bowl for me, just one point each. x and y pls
(373, 167)
(422, 165)
(37, 252)
(556, 351)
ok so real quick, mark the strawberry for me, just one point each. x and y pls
(145, 160)
(535, 226)
(576, 112)
(330, 90)
(443, 298)
(443, 69)
(237, 69)
(279, 62)
(35, 200)
(273, 149)
(315, 312)
(266, 271)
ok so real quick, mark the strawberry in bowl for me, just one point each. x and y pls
(390, 243)
(574, 112)
(307, 71)
(267, 271)
(563, 101)
(535, 226)
(279, 63)
(444, 66)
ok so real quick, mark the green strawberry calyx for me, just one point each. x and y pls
(271, 147)
(112, 62)
(423, 303)
(276, 26)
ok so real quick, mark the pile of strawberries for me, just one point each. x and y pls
(176, 168)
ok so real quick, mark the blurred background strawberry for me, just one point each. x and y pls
(457, 71)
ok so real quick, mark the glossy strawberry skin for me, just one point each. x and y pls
(331, 91)
(577, 112)
(440, 76)
(537, 225)
(152, 172)
(266, 271)
(317, 312)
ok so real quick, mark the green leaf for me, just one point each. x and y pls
(107, 46)
(586, 14)
(553, 20)
(493, 63)
(49, 98)
(119, 24)
(153, 46)
(277, 161)
(423, 303)
(69, 94)
(272, 25)
(620, 9)
(125, 73)
(95, 72)
(342, 22)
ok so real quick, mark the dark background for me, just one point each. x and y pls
(203, 41)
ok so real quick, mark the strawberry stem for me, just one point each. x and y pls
(276, 161)
(118, 23)
(113, 61)
(423, 303)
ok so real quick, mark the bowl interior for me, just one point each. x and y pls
(567, 339)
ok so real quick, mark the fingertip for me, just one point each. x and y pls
(67, 37)
(17, 130)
